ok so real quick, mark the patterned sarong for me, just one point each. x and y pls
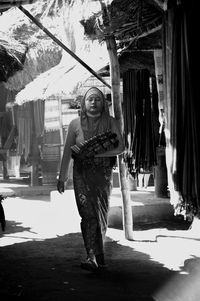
(92, 187)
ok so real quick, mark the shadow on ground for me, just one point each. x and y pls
(50, 270)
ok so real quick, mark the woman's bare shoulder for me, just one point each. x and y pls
(75, 122)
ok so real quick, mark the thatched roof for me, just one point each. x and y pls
(127, 20)
(132, 21)
(133, 60)
(59, 82)
(38, 60)
(137, 27)
(43, 53)
(12, 57)
(139, 55)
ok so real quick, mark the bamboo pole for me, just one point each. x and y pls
(116, 101)
(61, 127)
(34, 166)
(63, 46)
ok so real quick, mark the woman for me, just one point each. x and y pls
(92, 177)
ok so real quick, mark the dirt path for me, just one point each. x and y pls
(40, 257)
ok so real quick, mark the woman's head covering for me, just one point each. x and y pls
(92, 126)
(95, 91)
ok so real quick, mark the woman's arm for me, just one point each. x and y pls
(66, 158)
(120, 148)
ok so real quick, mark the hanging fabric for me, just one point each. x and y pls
(139, 123)
(181, 96)
(24, 128)
(38, 109)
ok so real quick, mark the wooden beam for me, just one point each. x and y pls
(150, 31)
(118, 114)
(6, 4)
(138, 50)
(10, 138)
(162, 5)
(144, 34)
(115, 82)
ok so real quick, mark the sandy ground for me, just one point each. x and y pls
(42, 247)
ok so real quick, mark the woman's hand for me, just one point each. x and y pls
(60, 186)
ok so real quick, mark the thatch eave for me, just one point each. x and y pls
(58, 82)
(138, 54)
(7, 4)
(12, 58)
(43, 53)
(135, 59)
(38, 60)
(129, 20)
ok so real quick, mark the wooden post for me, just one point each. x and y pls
(61, 127)
(34, 167)
(116, 101)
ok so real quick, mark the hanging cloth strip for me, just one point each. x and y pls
(183, 113)
(24, 128)
(140, 139)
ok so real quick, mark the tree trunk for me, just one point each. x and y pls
(116, 102)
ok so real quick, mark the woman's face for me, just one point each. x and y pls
(93, 104)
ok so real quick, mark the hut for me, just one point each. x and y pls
(58, 85)
(138, 37)
(55, 99)
(152, 17)
(41, 55)
(177, 82)
(79, 46)
(127, 21)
